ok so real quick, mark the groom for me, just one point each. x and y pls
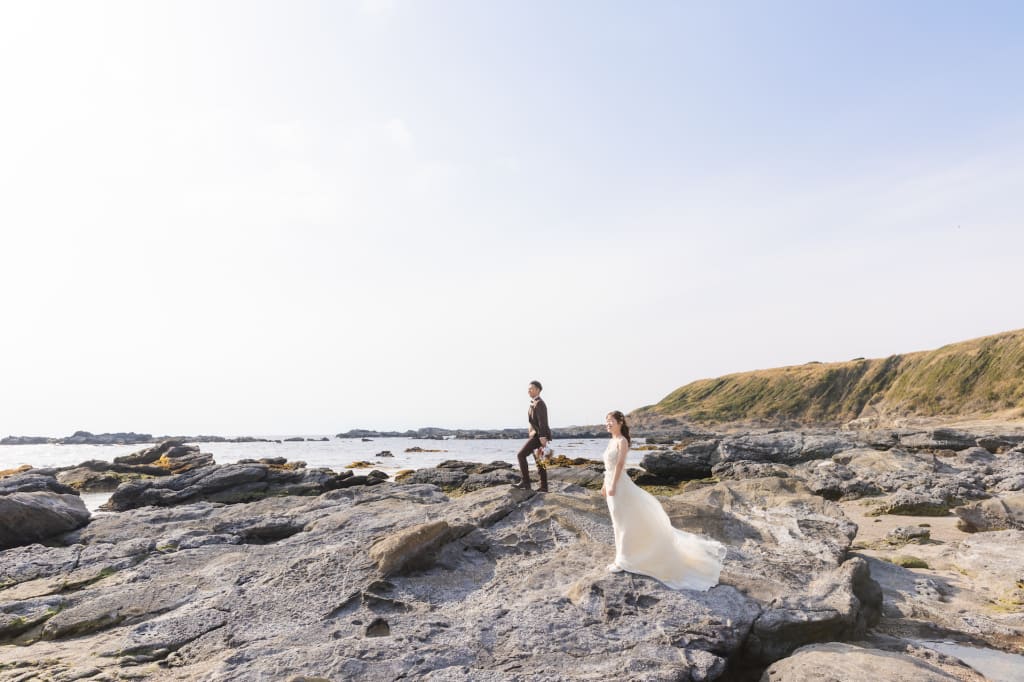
(540, 434)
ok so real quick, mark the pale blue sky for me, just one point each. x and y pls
(306, 217)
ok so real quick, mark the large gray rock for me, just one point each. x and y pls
(924, 479)
(174, 456)
(693, 461)
(908, 503)
(1001, 513)
(785, 447)
(938, 439)
(394, 581)
(1006, 473)
(30, 517)
(242, 481)
(452, 475)
(34, 481)
(835, 481)
(741, 470)
(838, 662)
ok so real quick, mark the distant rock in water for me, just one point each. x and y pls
(172, 455)
(86, 438)
(26, 440)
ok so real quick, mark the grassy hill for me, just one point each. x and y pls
(982, 378)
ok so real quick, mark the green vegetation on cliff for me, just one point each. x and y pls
(978, 378)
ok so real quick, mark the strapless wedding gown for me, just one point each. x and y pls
(646, 542)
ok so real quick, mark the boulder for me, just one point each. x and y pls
(839, 662)
(446, 479)
(911, 504)
(938, 439)
(922, 476)
(34, 481)
(693, 461)
(413, 547)
(173, 455)
(903, 535)
(34, 516)
(453, 475)
(238, 482)
(1000, 443)
(878, 439)
(835, 481)
(741, 470)
(999, 513)
(784, 447)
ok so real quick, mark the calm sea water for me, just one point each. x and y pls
(996, 665)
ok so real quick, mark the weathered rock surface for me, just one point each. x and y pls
(35, 506)
(242, 481)
(396, 581)
(840, 662)
(693, 461)
(34, 481)
(1000, 513)
(908, 534)
(938, 439)
(173, 456)
(454, 475)
(741, 470)
(835, 481)
(31, 517)
(918, 481)
(785, 447)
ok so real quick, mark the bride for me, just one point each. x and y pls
(645, 541)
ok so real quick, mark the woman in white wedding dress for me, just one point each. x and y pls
(645, 541)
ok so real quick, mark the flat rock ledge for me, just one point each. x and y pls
(841, 662)
(402, 581)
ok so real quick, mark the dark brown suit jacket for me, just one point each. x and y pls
(538, 416)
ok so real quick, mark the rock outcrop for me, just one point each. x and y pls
(1003, 513)
(34, 506)
(241, 481)
(396, 581)
(839, 662)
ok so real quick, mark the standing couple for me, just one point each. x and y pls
(645, 540)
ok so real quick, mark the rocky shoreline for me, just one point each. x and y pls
(845, 549)
(132, 438)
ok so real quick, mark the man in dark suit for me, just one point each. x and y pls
(540, 434)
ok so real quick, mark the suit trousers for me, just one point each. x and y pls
(524, 463)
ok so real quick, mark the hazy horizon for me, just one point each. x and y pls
(233, 217)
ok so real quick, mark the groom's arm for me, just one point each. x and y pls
(542, 420)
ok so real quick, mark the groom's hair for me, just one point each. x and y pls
(537, 384)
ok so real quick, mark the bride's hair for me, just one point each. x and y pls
(621, 418)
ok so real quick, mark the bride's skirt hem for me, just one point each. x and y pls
(698, 586)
